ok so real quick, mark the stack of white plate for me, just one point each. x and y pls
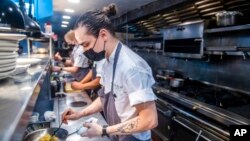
(8, 54)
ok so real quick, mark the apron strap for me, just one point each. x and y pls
(114, 65)
(94, 72)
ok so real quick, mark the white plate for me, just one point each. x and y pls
(7, 53)
(11, 36)
(6, 74)
(8, 65)
(6, 69)
(20, 69)
(8, 49)
(6, 61)
(3, 77)
(9, 56)
(24, 61)
(4, 43)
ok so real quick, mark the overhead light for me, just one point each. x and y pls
(65, 22)
(66, 17)
(74, 1)
(69, 10)
(63, 25)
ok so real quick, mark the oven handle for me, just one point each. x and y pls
(198, 39)
(192, 130)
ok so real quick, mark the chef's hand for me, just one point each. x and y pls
(58, 57)
(76, 85)
(70, 114)
(94, 130)
(56, 69)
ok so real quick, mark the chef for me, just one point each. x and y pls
(78, 63)
(126, 97)
(91, 82)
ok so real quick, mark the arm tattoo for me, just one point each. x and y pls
(126, 128)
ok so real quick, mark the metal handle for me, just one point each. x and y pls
(198, 137)
(180, 28)
(162, 77)
(198, 39)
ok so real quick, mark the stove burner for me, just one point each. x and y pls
(78, 104)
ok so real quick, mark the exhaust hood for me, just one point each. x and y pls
(11, 17)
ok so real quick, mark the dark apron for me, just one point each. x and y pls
(93, 92)
(80, 74)
(108, 103)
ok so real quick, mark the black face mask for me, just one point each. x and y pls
(95, 56)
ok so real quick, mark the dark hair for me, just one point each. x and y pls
(97, 19)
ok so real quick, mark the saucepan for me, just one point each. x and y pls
(176, 82)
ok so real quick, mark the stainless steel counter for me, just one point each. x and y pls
(62, 103)
(18, 96)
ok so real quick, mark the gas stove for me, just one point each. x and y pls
(232, 101)
(198, 111)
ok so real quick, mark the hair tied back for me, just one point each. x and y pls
(110, 10)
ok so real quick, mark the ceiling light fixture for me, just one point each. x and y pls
(69, 10)
(66, 17)
(74, 1)
(65, 22)
(63, 25)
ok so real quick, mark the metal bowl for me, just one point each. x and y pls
(61, 134)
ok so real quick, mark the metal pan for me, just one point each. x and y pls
(176, 82)
(61, 134)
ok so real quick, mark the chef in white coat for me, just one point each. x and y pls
(91, 82)
(78, 64)
(126, 98)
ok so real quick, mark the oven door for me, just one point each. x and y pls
(185, 130)
(163, 131)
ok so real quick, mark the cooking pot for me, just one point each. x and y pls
(176, 82)
(227, 18)
(61, 134)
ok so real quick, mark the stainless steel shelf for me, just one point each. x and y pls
(18, 96)
(148, 50)
(228, 29)
(147, 39)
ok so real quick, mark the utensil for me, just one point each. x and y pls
(57, 129)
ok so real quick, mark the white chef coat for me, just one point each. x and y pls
(98, 65)
(78, 58)
(132, 84)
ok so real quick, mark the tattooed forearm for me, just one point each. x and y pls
(127, 128)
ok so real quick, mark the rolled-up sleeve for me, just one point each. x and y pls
(99, 67)
(138, 86)
(79, 60)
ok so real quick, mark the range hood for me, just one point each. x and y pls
(184, 11)
(11, 17)
(32, 27)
